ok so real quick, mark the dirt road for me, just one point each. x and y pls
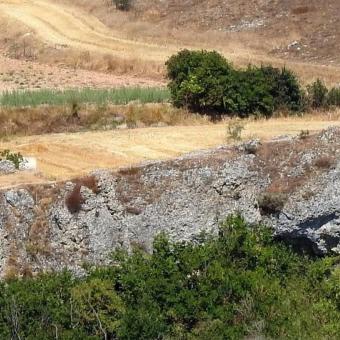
(63, 156)
(67, 26)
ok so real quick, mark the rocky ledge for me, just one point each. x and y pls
(291, 184)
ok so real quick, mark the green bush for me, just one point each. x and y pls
(284, 88)
(317, 94)
(205, 82)
(333, 97)
(239, 283)
(198, 79)
(122, 5)
(15, 158)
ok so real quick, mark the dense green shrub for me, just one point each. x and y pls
(239, 283)
(333, 97)
(317, 94)
(284, 88)
(198, 80)
(205, 82)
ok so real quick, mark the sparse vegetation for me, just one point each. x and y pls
(50, 119)
(317, 94)
(74, 199)
(241, 283)
(234, 130)
(271, 202)
(15, 157)
(123, 5)
(324, 162)
(304, 134)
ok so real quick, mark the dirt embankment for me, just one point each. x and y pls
(292, 184)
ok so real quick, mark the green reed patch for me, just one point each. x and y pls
(117, 96)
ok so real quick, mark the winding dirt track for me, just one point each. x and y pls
(63, 25)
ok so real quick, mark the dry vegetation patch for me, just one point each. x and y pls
(63, 156)
(291, 164)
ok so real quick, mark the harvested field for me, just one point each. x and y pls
(71, 35)
(29, 75)
(62, 156)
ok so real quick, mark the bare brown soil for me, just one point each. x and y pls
(20, 74)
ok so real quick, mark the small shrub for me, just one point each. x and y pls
(271, 203)
(317, 94)
(75, 109)
(234, 130)
(74, 200)
(333, 97)
(304, 134)
(89, 182)
(15, 158)
(324, 162)
(133, 210)
(123, 5)
(129, 171)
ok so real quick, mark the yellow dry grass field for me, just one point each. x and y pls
(87, 42)
(67, 26)
(63, 156)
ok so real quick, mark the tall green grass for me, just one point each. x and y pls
(118, 96)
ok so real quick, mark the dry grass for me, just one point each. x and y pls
(74, 200)
(62, 156)
(282, 163)
(138, 43)
(325, 162)
(89, 182)
(53, 119)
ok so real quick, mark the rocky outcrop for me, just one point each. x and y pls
(40, 231)
(6, 167)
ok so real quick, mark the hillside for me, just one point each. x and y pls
(313, 24)
(269, 26)
(93, 35)
(171, 171)
(291, 183)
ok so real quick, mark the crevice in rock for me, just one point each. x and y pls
(317, 222)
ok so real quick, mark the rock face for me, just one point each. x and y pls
(6, 167)
(71, 224)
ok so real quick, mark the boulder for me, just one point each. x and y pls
(6, 167)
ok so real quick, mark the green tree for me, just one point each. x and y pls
(205, 82)
(97, 307)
